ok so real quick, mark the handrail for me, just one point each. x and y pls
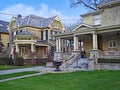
(70, 60)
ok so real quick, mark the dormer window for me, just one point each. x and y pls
(97, 19)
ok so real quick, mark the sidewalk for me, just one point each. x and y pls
(40, 69)
(37, 68)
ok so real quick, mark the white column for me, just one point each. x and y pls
(75, 43)
(95, 46)
(59, 44)
(16, 46)
(32, 48)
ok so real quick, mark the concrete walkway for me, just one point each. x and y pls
(37, 68)
(40, 69)
(19, 77)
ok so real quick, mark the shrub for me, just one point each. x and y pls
(19, 61)
(6, 61)
(103, 60)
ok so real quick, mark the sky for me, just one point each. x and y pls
(42, 8)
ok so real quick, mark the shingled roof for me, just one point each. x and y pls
(35, 21)
(108, 2)
(3, 26)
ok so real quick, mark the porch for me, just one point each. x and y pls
(109, 54)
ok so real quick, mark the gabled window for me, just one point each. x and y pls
(97, 19)
(113, 44)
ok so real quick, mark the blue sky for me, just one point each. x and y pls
(43, 8)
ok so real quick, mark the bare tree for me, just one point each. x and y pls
(91, 4)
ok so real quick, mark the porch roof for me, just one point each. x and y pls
(105, 29)
(25, 33)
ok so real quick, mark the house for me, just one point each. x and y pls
(4, 37)
(98, 34)
(31, 36)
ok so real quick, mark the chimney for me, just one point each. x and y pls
(19, 16)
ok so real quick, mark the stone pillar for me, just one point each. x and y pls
(17, 48)
(95, 46)
(58, 53)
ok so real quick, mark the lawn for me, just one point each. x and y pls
(6, 67)
(16, 74)
(80, 80)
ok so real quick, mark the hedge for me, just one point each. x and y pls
(103, 60)
(19, 61)
(6, 61)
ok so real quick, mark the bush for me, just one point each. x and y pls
(103, 60)
(19, 61)
(6, 61)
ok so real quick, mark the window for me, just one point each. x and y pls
(14, 33)
(44, 35)
(97, 20)
(0, 37)
(112, 44)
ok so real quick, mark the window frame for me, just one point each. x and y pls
(112, 44)
(97, 20)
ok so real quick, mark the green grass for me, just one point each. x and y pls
(16, 74)
(7, 67)
(81, 80)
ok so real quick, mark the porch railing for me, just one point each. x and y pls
(109, 54)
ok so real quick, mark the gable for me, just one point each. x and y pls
(82, 27)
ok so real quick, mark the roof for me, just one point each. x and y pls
(108, 2)
(35, 21)
(3, 26)
(25, 33)
(102, 4)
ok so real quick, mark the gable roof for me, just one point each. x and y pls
(82, 26)
(36, 21)
(3, 26)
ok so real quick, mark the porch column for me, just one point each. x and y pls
(16, 46)
(69, 46)
(59, 44)
(75, 43)
(95, 46)
(32, 48)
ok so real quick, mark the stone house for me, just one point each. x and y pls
(31, 36)
(4, 37)
(98, 34)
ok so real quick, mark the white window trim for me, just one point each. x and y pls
(111, 41)
(97, 19)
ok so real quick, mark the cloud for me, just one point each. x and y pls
(43, 11)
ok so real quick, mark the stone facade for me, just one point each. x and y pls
(4, 37)
(33, 34)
